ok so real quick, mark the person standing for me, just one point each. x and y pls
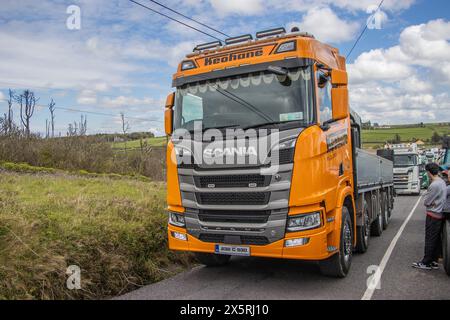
(434, 201)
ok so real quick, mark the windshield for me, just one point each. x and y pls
(405, 160)
(246, 101)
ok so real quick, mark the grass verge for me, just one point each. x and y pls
(113, 229)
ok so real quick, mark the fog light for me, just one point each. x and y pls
(296, 242)
(179, 236)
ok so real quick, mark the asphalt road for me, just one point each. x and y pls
(258, 278)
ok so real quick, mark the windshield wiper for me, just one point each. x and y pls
(270, 124)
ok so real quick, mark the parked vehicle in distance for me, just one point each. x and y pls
(406, 169)
(318, 200)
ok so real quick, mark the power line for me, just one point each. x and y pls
(189, 18)
(364, 30)
(173, 19)
(106, 114)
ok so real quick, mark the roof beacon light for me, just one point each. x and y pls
(270, 33)
(208, 45)
(243, 38)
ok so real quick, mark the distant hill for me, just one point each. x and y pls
(407, 133)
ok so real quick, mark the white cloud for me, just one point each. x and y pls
(379, 64)
(326, 26)
(87, 97)
(256, 7)
(128, 102)
(408, 82)
(2, 96)
(247, 7)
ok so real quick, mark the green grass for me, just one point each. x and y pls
(113, 229)
(407, 133)
(152, 142)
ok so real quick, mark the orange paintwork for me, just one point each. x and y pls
(317, 184)
(173, 189)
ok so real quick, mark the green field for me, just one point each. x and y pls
(134, 144)
(407, 134)
(113, 229)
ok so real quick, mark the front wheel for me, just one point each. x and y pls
(211, 259)
(339, 264)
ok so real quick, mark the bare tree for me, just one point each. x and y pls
(125, 124)
(47, 129)
(125, 128)
(72, 129)
(9, 115)
(27, 101)
(77, 128)
(82, 126)
(51, 107)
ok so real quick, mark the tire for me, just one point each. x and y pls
(376, 228)
(363, 232)
(338, 265)
(385, 210)
(446, 246)
(211, 259)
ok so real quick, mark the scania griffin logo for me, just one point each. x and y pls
(233, 57)
(241, 151)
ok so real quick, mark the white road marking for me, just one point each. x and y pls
(370, 290)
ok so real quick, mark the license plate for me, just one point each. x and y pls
(232, 250)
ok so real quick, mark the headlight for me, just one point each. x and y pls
(287, 144)
(176, 219)
(303, 222)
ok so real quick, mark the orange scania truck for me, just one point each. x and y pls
(311, 194)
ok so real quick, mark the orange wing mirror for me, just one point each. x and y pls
(339, 94)
(339, 77)
(168, 113)
(339, 99)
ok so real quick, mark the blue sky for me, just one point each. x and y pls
(123, 57)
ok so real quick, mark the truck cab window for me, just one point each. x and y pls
(324, 94)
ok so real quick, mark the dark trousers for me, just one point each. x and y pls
(433, 242)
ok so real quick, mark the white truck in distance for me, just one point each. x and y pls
(406, 169)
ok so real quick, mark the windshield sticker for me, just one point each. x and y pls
(291, 116)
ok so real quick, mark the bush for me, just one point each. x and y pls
(85, 154)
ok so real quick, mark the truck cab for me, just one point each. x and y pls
(263, 157)
(407, 167)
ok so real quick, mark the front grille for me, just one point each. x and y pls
(234, 198)
(246, 240)
(233, 181)
(244, 216)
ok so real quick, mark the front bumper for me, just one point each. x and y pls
(316, 249)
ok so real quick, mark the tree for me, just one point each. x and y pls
(51, 107)
(397, 139)
(82, 126)
(9, 115)
(77, 128)
(436, 138)
(27, 101)
(125, 127)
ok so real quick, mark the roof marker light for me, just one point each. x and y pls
(269, 33)
(245, 37)
(208, 45)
